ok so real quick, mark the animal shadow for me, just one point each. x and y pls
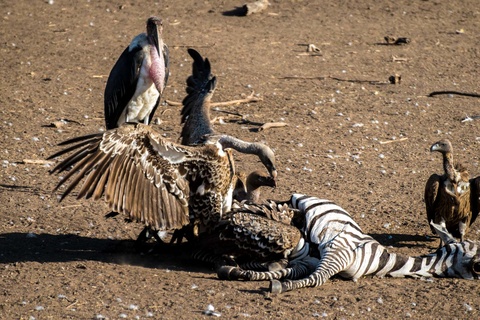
(405, 240)
(44, 248)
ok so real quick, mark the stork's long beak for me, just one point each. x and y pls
(154, 31)
(156, 35)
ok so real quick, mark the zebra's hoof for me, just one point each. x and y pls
(223, 272)
(275, 286)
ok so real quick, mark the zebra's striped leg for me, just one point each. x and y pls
(329, 265)
(297, 270)
(236, 273)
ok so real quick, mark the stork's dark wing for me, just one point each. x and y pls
(474, 198)
(136, 171)
(121, 84)
(431, 192)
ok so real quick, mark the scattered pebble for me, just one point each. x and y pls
(468, 307)
(39, 308)
(133, 307)
(380, 300)
(210, 311)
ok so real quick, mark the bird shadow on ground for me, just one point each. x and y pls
(44, 248)
(262, 291)
(27, 189)
(405, 240)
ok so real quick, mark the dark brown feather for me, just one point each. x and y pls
(148, 178)
(448, 197)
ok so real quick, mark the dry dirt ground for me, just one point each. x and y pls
(351, 137)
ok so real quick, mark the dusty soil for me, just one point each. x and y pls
(351, 137)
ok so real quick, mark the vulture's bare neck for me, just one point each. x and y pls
(449, 166)
(241, 146)
(264, 153)
(197, 124)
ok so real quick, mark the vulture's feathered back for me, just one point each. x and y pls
(451, 199)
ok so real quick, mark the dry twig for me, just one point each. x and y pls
(306, 78)
(465, 94)
(37, 161)
(392, 141)
(269, 125)
(249, 98)
(395, 59)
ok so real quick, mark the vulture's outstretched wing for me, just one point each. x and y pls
(138, 173)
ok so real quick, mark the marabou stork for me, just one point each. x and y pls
(138, 78)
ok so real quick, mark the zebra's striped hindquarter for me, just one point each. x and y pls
(345, 250)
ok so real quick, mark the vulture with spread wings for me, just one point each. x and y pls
(148, 178)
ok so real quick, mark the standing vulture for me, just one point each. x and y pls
(451, 199)
(138, 78)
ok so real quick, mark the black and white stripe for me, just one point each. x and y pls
(345, 250)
